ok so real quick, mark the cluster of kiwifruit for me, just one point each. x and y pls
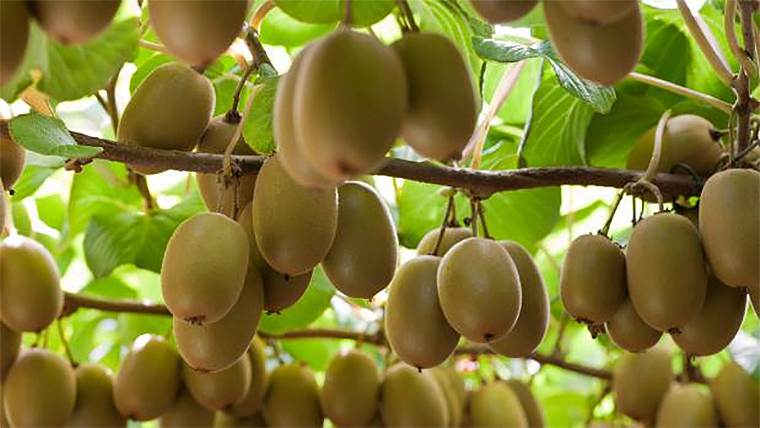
(645, 388)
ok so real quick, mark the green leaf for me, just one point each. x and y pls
(257, 128)
(109, 287)
(516, 108)
(363, 13)
(31, 179)
(280, 29)
(311, 305)
(47, 136)
(52, 210)
(21, 219)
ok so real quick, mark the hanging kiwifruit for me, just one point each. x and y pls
(148, 380)
(530, 406)
(499, 11)
(10, 346)
(629, 331)
(170, 110)
(73, 21)
(600, 12)
(533, 322)
(737, 396)
(219, 390)
(415, 325)
(40, 390)
(688, 405)
(496, 405)
(186, 413)
(197, 31)
(602, 53)
(592, 281)
(667, 279)
(442, 104)
(223, 420)
(412, 399)
(349, 103)
(639, 381)
(454, 392)
(95, 405)
(251, 403)
(729, 220)
(293, 398)
(351, 389)
(451, 235)
(14, 36)
(12, 155)
(30, 291)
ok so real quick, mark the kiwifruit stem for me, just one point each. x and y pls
(406, 11)
(65, 343)
(606, 228)
(444, 223)
(729, 23)
(704, 39)
(258, 15)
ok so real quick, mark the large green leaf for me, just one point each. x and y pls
(311, 305)
(31, 179)
(516, 108)
(363, 12)
(47, 136)
(280, 29)
(257, 128)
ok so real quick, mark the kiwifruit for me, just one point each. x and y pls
(349, 103)
(442, 102)
(222, 389)
(639, 381)
(3, 209)
(10, 346)
(451, 236)
(40, 390)
(415, 325)
(592, 281)
(455, 397)
(351, 389)
(73, 21)
(12, 155)
(355, 268)
(251, 403)
(717, 323)
(223, 420)
(216, 346)
(729, 220)
(599, 12)
(601, 53)
(148, 380)
(186, 413)
(197, 31)
(688, 405)
(204, 268)
(667, 279)
(170, 110)
(412, 399)
(456, 382)
(736, 395)
(530, 406)
(293, 398)
(218, 134)
(498, 11)
(30, 292)
(531, 325)
(3, 418)
(496, 405)
(14, 36)
(294, 225)
(95, 402)
(629, 331)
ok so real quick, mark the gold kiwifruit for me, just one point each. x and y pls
(499, 11)
(736, 395)
(95, 405)
(665, 268)
(293, 398)
(533, 412)
(639, 381)
(14, 37)
(599, 12)
(496, 405)
(628, 331)
(12, 155)
(73, 21)
(451, 236)
(223, 420)
(351, 389)
(687, 405)
(186, 413)
(410, 398)
(10, 346)
(222, 389)
(251, 403)
(453, 391)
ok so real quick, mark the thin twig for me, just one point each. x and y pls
(681, 90)
(729, 23)
(403, 6)
(259, 14)
(65, 343)
(444, 223)
(605, 230)
(744, 103)
(700, 33)
(154, 46)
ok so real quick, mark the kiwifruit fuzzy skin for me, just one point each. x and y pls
(251, 403)
(197, 31)
(455, 398)
(628, 331)
(442, 103)
(223, 420)
(349, 103)
(12, 155)
(73, 21)
(736, 396)
(10, 346)
(601, 53)
(186, 413)
(530, 406)
(148, 380)
(600, 12)
(687, 405)
(95, 405)
(412, 399)
(30, 291)
(667, 278)
(496, 405)
(451, 236)
(639, 381)
(219, 390)
(204, 268)
(351, 389)
(592, 281)
(498, 11)
(479, 289)
(14, 36)
(293, 398)
(415, 325)
(729, 221)
(364, 253)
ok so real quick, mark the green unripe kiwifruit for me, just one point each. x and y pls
(533, 322)
(251, 403)
(170, 110)
(294, 225)
(197, 31)
(412, 399)
(219, 390)
(293, 398)
(689, 405)
(592, 281)
(601, 53)
(729, 221)
(629, 331)
(349, 103)
(496, 405)
(10, 346)
(95, 403)
(530, 406)
(12, 155)
(442, 104)
(30, 291)
(223, 420)
(737, 396)
(600, 12)
(14, 36)
(415, 325)
(186, 413)
(451, 236)
(204, 268)
(148, 380)
(639, 381)
(667, 279)
(73, 21)
(351, 389)
(355, 268)
(499, 11)
(453, 392)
